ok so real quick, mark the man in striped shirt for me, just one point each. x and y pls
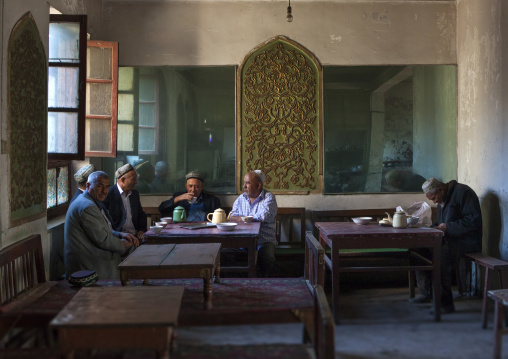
(261, 204)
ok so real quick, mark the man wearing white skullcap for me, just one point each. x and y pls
(459, 216)
(261, 204)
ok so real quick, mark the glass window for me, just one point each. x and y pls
(58, 188)
(66, 90)
(388, 128)
(180, 119)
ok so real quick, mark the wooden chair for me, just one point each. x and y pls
(289, 214)
(22, 281)
(314, 261)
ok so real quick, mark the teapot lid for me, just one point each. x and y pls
(219, 210)
(400, 212)
(179, 208)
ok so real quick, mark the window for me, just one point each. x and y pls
(66, 106)
(148, 115)
(66, 86)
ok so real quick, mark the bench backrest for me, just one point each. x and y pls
(314, 261)
(21, 268)
(324, 332)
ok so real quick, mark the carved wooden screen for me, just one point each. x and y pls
(279, 117)
(27, 106)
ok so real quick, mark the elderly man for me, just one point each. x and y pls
(197, 203)
(459, 216)
(261, 204)
(124, 205)
(89, 242)
(81, 176)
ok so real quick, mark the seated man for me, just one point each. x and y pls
(159, 183)
(260, 204)
(89, 242)
(124, 205)
(197, 203)
(81, 177)
(459, 216)
(146, 173)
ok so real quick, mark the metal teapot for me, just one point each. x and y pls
(218, 216)
(179, 214)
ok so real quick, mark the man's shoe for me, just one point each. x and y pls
(420, 299)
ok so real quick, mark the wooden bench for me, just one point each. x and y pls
(322, 347)
(22, 282)
(489, 264)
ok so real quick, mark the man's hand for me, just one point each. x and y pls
(442, 227)
(129, 240)
(183, 197)
(139, 235)
(235, 218)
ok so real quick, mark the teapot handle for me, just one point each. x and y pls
(229, 215)
(208, 217)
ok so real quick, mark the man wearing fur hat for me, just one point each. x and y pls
(124, 205)
(459, 216)
(261, 204)
(197, 203)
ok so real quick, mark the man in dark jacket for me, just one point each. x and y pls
(459, 216)
(124, 205)
(196, 202)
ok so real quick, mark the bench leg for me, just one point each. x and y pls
(498, 329)
(412, 283)
(485, 299)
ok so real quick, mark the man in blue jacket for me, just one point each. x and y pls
(459, 216)
(124, 205)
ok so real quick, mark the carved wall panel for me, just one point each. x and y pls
(27, 111)
(279, 117)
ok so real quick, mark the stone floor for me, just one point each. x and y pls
(377, 323)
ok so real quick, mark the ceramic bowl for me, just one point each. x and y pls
(156, 229)
(247, 219)
(362, 220)
(227, 226)
(162, 224)
(167, 219)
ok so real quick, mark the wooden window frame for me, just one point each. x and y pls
(80, 110)
(156, 127)
(114, 97)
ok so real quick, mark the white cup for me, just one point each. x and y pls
(194, 199)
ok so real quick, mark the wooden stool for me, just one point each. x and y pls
(489, 263)
(500, 298)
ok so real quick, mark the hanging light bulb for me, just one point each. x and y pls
(289, 16)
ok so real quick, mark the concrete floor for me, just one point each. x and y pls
(377, 323)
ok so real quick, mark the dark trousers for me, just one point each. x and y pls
(265, 261)
(450, 255)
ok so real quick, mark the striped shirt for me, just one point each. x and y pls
(263, 209)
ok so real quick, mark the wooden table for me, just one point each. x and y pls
(244, 236)
(348, 235)
(172, 261)
(500, 297)
(119, 318)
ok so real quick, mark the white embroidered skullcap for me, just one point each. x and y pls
(261, 175)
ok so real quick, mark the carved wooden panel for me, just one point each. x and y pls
(27, 110)
(279, 119)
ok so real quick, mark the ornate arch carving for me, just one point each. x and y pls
(27, 116)
(279, 117)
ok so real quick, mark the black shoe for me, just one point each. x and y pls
(445, 309)
(420, 299)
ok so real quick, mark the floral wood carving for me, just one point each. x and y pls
(280, 116)
(27, 106)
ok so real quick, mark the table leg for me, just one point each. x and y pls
(217, 270)
(335, 283)
(252, 254)
(498, 328)
(124, 277)
(208, 292)
(436, 281)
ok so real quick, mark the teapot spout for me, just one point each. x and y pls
(389, 217)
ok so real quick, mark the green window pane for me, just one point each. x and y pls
(147, 114)
(51, 201)
(125, 141)
(147, 89)
(125, 78)
(125, 107)
(63, 185)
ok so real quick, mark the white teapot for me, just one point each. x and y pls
(218, 216)
(399, 219)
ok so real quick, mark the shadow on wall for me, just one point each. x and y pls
(492, 223)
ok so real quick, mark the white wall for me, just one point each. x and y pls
(481, 131)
